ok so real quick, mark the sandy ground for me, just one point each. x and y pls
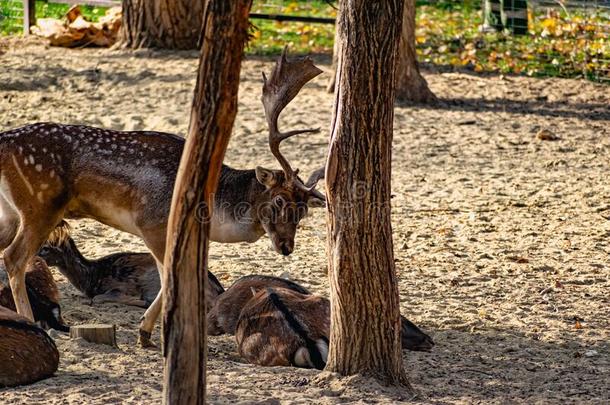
(502, 240)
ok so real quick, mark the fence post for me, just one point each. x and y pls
(29, 15)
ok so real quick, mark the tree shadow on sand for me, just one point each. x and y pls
(506, 366)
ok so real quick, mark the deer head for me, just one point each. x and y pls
(286, 197)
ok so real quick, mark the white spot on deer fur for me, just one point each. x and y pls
(52, 173)
(53, 129)
(44, 186)
(44, 150)
(68, 138)
(25, 162)
(23, 178)
(20, 149)
(39, 196)
(38, 167)
(31, 158)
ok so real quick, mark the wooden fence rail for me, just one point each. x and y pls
(29, 13)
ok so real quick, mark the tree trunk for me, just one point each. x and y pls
(365, 316)
(224, 32)
(166, 24)
(330, 87)
(410, 84)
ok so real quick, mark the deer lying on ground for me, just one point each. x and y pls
(42, 293)
(224, 313)
(124, 278)
(27, 353)
(282, 327)
(49, 172)
(283, 320)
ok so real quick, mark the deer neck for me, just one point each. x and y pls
(233, 218)
(81, 272)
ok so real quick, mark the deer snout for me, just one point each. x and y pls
(286, 247)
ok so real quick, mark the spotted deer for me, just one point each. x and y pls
(49, 172)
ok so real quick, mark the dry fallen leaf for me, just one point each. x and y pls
(577, 325)
(546, 135)
(518, 259)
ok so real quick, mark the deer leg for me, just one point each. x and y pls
(149, 319)
(28, 240)
(147, 324)
(119, 297)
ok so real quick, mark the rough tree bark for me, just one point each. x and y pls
(365, 317)
(410, 84)
(225, 31)
(166, 24)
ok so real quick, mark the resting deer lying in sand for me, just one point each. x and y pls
(282, 327)
(283, 321)
(27, 353)
(49, 172)
(124, 278)
(42, 292)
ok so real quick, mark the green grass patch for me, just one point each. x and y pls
(269, 37)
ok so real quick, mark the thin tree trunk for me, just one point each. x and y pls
(365, 317)
(225, 31)
(410, 84)
(166, 24)
(332, 80)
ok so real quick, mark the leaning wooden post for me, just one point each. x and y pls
(224, 33)
(29, 15)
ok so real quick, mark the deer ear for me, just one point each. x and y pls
(316, 202)
(266, 177)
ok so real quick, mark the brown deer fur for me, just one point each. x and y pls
(223, 315)
(281, 327)
(125, 278)
(42, 292)
(27, 353)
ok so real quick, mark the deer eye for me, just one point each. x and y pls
(279, 201)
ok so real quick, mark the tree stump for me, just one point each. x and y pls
(101, 334)
(27, 353)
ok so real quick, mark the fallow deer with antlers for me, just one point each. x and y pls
(49, 172)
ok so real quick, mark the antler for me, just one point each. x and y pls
(285, 82)
(312, 181)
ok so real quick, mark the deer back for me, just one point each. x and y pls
(224, 313)
(281, 327)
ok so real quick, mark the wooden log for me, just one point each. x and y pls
(101, 334)
(27, 353)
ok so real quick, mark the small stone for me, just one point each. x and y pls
(591, 353)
